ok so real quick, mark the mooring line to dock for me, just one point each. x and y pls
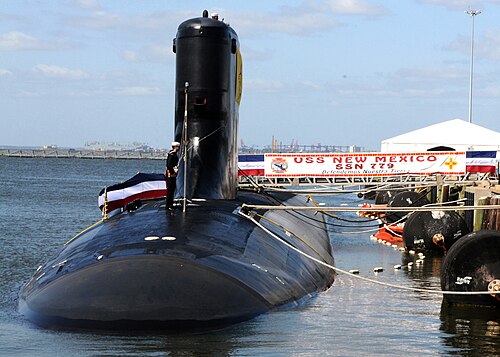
(287, 231)
(85, 230)
(392, 232)
(247, 215)
(311, 198)
(360, 232)
(398, 221)
(323, 191)
(371, 209)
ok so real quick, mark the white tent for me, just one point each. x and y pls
(456, 134)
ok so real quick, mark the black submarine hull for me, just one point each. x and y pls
(143, 292)
(208, 264)
(130, 273)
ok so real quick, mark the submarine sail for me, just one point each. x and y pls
(149, 268)
(212, 123)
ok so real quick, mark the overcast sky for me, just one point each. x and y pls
(336, 72)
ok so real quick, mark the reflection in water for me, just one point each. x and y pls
(474, 331)
(215, 343)
(467, 330)
(430, 267)
(425, 273)
(222, 342)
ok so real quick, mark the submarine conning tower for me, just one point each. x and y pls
(208, 74)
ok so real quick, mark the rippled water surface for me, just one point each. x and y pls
(44, 202)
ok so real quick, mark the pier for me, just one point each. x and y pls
(84, 154)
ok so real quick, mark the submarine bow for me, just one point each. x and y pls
(150, 268)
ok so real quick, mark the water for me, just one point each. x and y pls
(44, 202)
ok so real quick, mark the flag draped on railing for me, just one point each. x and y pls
(141, 186)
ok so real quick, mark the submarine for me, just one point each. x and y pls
(210, 261)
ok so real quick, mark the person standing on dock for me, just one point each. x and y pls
(171, 173)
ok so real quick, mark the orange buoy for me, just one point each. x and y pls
(390, 233)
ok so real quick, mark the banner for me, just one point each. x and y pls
(364, 164)
(141, 186)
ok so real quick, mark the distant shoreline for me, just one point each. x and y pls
(83, 154)
(30, 152)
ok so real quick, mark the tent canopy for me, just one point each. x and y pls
(454, 134)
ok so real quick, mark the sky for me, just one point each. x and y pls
(335, 72)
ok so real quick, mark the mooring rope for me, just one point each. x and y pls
(359, 232)
(311, 198)
(386, 226)
(289, 232)
(338, 270)
(323, 191)
(85, 230)
(372, 209)
(320, 209)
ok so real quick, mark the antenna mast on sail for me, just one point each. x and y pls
(185, 141)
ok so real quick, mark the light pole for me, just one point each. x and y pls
(473, 14)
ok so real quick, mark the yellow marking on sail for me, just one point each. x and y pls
(239, 76)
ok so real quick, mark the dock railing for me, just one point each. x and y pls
(468, 178)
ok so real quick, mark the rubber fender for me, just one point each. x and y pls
(405, 199)
(471, 264)
(433, 230)
(383, 197)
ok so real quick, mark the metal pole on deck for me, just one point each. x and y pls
(185, 141)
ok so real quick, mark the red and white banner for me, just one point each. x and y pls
(141, 186)
(364, 164)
